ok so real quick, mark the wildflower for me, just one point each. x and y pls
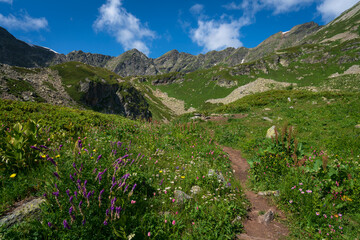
(308, 191)
(193, 223)
(56, 175)
(173, 222)
(291, 201)
(340, 227)
(133, 187)
(182, 177)
(173, 200)
(300, 183)
(13, 175)
(57, 156)
(165, 221)
(56, 194)
(317, 213)
(66, 225)
(83, 222)
(35, 148)
(71, 177)
(52, 161)
(101, 192)
(325, 216)
(105, 223)
(43, 156)
(160, 171)
(49, 224)
(68, 192)
(149, 234)
(98, 158)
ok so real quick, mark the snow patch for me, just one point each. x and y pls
(50, 50)
(285, 32)
(242, 61)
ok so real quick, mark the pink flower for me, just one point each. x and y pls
(173, 200)
(173, 222)
(133, 202)
(291, 201)
(149, 234)
(154, 194)
(176, 213)
(165, 192)
(203, 176)
(165, 221)
(197, 208)
(193, 223)
(317, 213)
(197, 178)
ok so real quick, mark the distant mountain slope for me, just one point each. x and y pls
(74, 84)
(18, 53)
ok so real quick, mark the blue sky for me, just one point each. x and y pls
(156, 27)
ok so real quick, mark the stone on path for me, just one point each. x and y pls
(267, 217)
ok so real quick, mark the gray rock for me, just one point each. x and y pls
(29, 209)
(218, 174)
(267, 109)
(180, 196)
(267, 119)
(269, 193)
(267, 217)
(237, 219)
(195, 190)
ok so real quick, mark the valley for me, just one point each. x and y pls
(258, 143)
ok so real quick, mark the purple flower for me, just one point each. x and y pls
(105, 223)
(135, 185)
(83, 222)
(74, 166)
(61, 146)
(85, 182)
(113, 201)
(78, 181)
(126, 188)
(71, 199)
(49, 224)
(66, 225)
(98, 158)
(33, 147)
(107, 212)
(42, 146)
(88, 195)
(76, 194)
(71, 177)
(52, 161)
(56, 175)
(80, 203)
(45, 195)
(71, 209)
(56, 194)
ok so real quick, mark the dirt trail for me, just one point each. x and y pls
(254, 230)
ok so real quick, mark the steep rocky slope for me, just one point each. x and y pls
(74, 84)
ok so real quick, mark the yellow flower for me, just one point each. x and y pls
(94, 150)
(13, 175)
(57, 156)
(182, 177)
(160, 171)
(43, 156)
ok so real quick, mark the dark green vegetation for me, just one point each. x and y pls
(314, 163)
(112, 162)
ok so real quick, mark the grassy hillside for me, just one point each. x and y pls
(72, 73)
(309, 66)
(314, 164)
(82, 154)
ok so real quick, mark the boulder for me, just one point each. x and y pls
(271, 132)
(28, 209)
(180, 196)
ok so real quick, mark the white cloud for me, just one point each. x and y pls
(282, 6)
(330, 9)
(24, 22)
(125, 27)
(197, 9)
(217, 35)
(7, 1)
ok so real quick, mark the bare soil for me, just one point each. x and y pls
(253, 228)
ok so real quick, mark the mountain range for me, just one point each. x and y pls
(308, 56)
